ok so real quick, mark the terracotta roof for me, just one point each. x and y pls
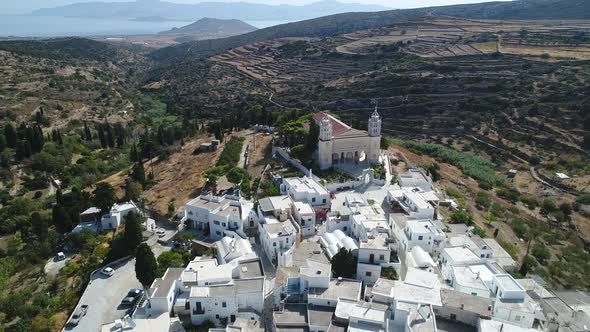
(338, 127)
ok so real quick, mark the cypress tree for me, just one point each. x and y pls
(133, 235)
(110, 136)
(87, 133)
(39, 226)
(101, 137)
(138, 172)
(10, 134)
(2, 142)
(146, 266)
(61, 219)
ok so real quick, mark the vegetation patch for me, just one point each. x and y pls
(472, 165)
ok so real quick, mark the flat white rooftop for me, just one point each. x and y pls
(374, 312)
(460, 254)
(306, 184)
(490, 325)
(508, 283)
(417, 199)
(473, 276)
(417, 294)
(303, 208)
(421, 278)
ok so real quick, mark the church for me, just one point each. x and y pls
(341, 144)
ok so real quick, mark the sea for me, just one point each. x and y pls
(53, 26)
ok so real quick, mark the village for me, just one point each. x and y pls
(371, 251)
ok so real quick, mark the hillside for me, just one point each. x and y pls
(212, 28)
(62, 49)
(349, 22)
(184, 12)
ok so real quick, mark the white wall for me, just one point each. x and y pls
(374, 270)
(212, 307)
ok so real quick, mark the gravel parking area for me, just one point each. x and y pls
(104, 294)
(53, 265)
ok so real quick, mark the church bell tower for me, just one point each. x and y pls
(325, 143)
(374, 136)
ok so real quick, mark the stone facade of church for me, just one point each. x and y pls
(339, 143)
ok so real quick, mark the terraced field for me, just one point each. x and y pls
(444, 37)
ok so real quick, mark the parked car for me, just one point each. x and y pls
(60, 256)
(161, 232)
(135, 292)
(78, 314)
(108, 271)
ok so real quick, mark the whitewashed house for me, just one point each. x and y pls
(276, 228)
(117, 214)
(306, 189)
(371, 255)
(513, 304)
(415, 178)
(412, 202)
(417, 232)
(220, 214)
(304, 215)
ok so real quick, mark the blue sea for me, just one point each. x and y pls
(52, 26)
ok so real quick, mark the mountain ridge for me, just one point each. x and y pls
(191, 12)
(349, 22)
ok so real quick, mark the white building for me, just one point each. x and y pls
(332, 242)
(513, 304)
(340, 143)
(493, 325)
(412, 202)
(306, 189)
(304, 215)
(372, 254)
(473, 242)
(415, 178)
(117, 214)
(227, 291)
(473, 279)
(458, 255)
(208, 290)
(417, 232)
(276, 229)
(219, 214)
(229, 249)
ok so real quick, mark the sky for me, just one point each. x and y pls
(8, 7)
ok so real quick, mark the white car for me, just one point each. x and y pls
(161, 231)
(108, 271)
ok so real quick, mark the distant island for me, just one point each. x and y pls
(152, 19)
(213, 28)
(161, 10)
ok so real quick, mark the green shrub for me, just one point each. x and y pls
(472, 165)
(461, 217)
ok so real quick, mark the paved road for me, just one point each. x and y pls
(104, 294)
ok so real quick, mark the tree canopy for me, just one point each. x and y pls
(104, 197)
(133, 232)
(146, 267)
(344, 264)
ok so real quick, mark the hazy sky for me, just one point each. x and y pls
(24, 6)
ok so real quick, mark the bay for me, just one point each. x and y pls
(53, 26)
